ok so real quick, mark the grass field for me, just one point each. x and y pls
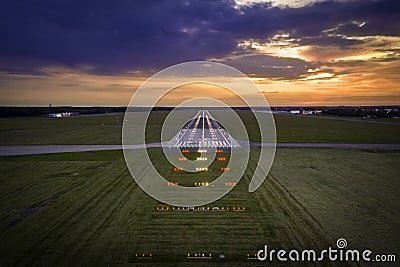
(107, 130)
(84, 208)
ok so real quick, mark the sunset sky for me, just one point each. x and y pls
(298, 52)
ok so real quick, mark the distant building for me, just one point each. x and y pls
(62, 114)
(307, 112)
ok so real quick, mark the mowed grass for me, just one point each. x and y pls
(84, 208)
(293, 128)
(106, 129)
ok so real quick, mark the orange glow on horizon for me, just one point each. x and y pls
(364, 84)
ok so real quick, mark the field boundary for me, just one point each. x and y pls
(51, 149)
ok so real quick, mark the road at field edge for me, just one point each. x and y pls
(48, 149)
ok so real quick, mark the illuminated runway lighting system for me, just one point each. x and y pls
(178, 169)
(144, 256)
(238, 208)
(230, 184)
(166, 209)
(201, 184)
(202, 208)
(162, 208)
(172, 184)
(203, 131)
(205, 256)
(253, 256)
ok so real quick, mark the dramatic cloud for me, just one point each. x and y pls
(302, 42)
(108, 36)
(269, 66)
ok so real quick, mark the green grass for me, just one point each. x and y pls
(107, 130)
(65, 131)
(85, 209)
(311, 129)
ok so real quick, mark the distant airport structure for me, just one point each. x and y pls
(62, 114)
(203, 131)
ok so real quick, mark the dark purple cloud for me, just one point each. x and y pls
(269, 66)
(114, 36)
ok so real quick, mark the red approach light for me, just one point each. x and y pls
(221, 158)
(225, 169)
(230, 184)
(219, 151)
(182, 159)
(178, 169)
(172, 184)
(185, 150)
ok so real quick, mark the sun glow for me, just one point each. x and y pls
(280, 45)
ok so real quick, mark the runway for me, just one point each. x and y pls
(203, 131)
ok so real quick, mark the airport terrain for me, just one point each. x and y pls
(85, 209)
